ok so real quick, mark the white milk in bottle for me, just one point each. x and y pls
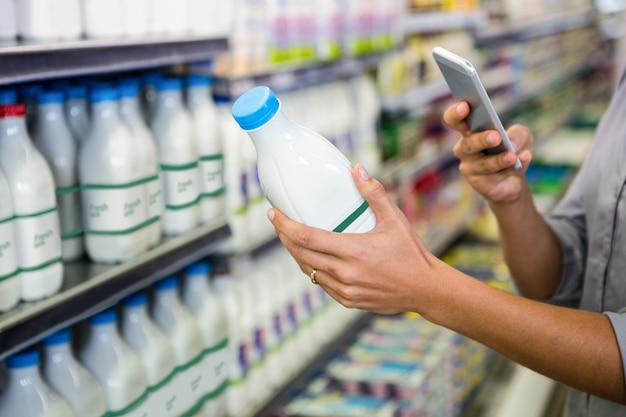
(115, 365)
(178, 155)
(68, 19)
(147, 156)
(301, 172)
(103, 18)
(35, 20)
(8, 20)
(53, 138)
(37, 228)
(71, 379)
(155, 351)
(179, 325)
(113, 184)
(208, 310)
(26, 394)
(77, 111)
(204, 116)
(10, 280)
(136, 17)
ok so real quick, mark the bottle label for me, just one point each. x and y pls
(115, 209)
(155, 198)
(180, 185)
(162, 397)
(191, 382)
(8, 248)
(68, 201)
(138, 408)
(214, 369)
(352, 217)
(212, 174)
(40, 240)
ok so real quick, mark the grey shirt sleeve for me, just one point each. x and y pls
(618, 321)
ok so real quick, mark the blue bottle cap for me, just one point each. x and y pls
(8, 96)
(255, 107)
(194, 80)
(129, 87)
(103, 92)
(135, 300)
(151, 78)
(50, 97)
(202, 268)
(58, 338)
(30, 91)
(107, 316)
(169, 84)
(76, 91)
(23, 359)
(167, 283)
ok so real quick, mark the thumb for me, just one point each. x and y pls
(373, 192)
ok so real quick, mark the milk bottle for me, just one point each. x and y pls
(103, 18)
(34, 20)
(204, 116)
(115, 365)
(178, 155)
(37, 228)
(301, 172)
(136, 17)
(67, 19)
(113, 184)
(367, 110)
(208, 310)
(53, 138)
(147, 156)
(148, 94)
(180, 327)
(155, 351)
(177, 13)
(10, 281)
(26, 394)
(77, 111)
(69, 378)
(8, 20)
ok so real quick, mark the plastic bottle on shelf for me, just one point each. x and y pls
(103, 18)
(113, 184)
(201, 16)
(147, 156)
(115, 365)
(158, 17)
(54, 140)
(8, 20)
(178, 155)
(150, 343)
(68, 19)
(148, 94)
(28, 96)
(208, 310)
(301, 172)
(34, 22)
(76, 109)
(136, 17)
(365, 101)
(71, 379)
(26, 394)
(177, 13)
(180, 327)
(203, 112)
(31, 184)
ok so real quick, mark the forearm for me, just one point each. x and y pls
(531, 249)
(577, 348)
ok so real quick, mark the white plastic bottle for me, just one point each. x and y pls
(34, 20)
(147, 156)
(136, 17)
(10, 279)
(71, 379)
(115, 365)
(103, 18)
(179, 325)
(26, 394)
(205, 120)
(301, 172)
(178, 156)
(158, 17)
(77, 111)
(367, 107)
(113, 184)
(53, 138)
(8, 20)
(155, 351)
(37, 228)
(210, 315)
(177, 13)
(68, 19)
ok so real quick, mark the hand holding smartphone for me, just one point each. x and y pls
(463, 80)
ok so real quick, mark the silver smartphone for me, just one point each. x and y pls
(465, 85)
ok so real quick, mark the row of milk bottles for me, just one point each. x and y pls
(203, 347)
(346, 112)
(54, 20)
(102, 167)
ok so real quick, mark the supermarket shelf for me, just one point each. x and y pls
(36, 61)
(415, 98)
(535, 28)
(89, 288)
(432, 22)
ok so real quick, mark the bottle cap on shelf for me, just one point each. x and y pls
(107, 316)
(58, 338)
(135, 300)
(23, 359)
(76, 91)
(129, 87)
(103, 92)
(169, 84)
(151, 78)
(198, 268)
(8, 96)
(194, 80)
(255, 107)
(167, 283)
(50, 97)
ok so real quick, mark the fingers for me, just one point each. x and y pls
(374, 193)
(455, 117)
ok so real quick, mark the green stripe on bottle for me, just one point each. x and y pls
(123, 232)
(67, 190)
(184, 167)
(10, 275)
(118, 186)
(209, 396)
(130, 408)
(215, 193)
(215, 157)
(41, 266)
(183, 206)
(352, 217)
(8, 219)
(41, 213)
(70, 235)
